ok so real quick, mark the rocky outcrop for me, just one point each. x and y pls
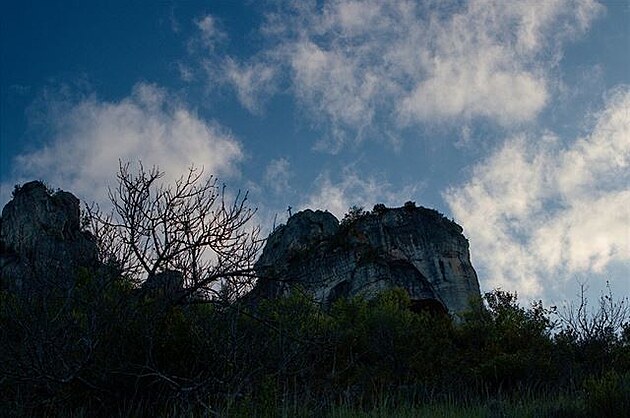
(43, 247)
(411, 247)
(42, 244)
(168, 284)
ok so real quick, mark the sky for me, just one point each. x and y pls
(511, 117)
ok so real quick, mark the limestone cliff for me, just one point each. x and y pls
(411, 247)
(42, 244)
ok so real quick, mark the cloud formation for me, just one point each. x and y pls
(277, 175)
(90, 136)
(539, 210)
(352, 64)
(210, 32)
(252, 82)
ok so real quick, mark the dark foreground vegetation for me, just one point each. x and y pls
(103, 342)
(107, 352)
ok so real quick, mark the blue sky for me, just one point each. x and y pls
(511, 117)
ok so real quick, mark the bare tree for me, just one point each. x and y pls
(190, 229)
(603, 321)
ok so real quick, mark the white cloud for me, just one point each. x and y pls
(538, 210)
(210, 32)
(186, 73)
(253, 79)
(277, 175)
(373, 67)
(353, 190)
(334, 85)
(252, 82)
(90, 136)
(408, 62)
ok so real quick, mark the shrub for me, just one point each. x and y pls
(354, 214)
(608, 395)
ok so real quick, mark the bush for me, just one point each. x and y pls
(354, 214)
(507, 346)
(608, 395)
(105, 349)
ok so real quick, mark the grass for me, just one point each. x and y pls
(558, 405)
(562, 405)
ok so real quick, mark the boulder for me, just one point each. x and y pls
(168, 284)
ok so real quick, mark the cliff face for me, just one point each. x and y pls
(41, 240)
(410, 247)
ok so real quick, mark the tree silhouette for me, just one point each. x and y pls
(190, 227)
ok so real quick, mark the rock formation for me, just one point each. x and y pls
(410, 247)
(168, 284)
(42, 244)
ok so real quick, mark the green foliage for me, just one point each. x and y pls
(103, 349)
(509, 345)
(608, 395)
(354, 214)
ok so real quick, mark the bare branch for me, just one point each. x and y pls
(191, 226)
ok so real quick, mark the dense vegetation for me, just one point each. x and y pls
(104, 343)
(109, 350)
